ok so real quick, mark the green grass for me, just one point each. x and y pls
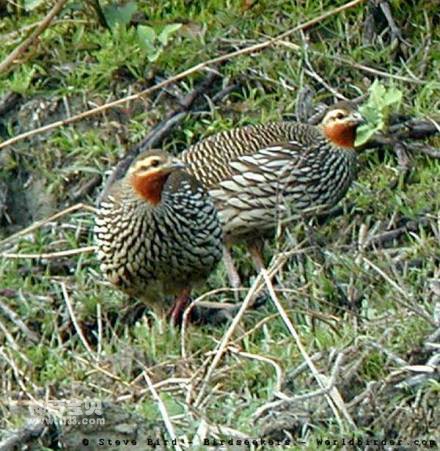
(337, 302)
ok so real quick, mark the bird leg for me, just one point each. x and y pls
(179, 304)
(255, 249)
(233, 276)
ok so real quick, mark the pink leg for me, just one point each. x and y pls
(234, 278)
(255, 249)
(176, 311)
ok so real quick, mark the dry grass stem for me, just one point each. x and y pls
(181, 75)
(260, 358)
(163, 411)
(32, 336)
(36, 225)
(12, 57)
(75, 321)
(334, 398)
(227, 336)
(50, 255)
(413, 308)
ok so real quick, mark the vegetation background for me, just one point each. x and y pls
(347, 345)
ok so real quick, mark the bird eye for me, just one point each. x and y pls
(155, 163)
(340, 116)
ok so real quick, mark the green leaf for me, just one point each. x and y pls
(154, 55)
(167, 31)
(376, 110)
(22, 79)
(29, 5)
(393, 95)
(363, 134)
(146, 37)
(381, 97)
(119, 14)
(377, 91)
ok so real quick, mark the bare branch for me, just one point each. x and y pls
(12, 57)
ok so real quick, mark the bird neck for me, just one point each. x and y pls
(150, 187)
(341, 135)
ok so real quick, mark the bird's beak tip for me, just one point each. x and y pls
(357, 118)
(177, 164)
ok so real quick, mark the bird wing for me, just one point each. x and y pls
(254, 192)
(211, 160)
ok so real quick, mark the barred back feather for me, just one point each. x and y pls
(261, 174)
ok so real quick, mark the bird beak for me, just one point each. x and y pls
(356, 118)
(175, 163)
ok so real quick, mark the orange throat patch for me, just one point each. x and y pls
(150, 187)
(342, 135)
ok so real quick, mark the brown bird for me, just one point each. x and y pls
(157, 232)
(262, 175)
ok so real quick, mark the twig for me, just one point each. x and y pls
(303, 366)
(171, 381)
(429, 371)
(229, 432)
(415, 128)
(333, 398)
(312, 73)
(86, 188)
(76, 356)
(262, 76)
(364, 394)
(184, 74)
(38, 224)
(269, 405)
(395, 32)
(283, 399)
(66, 253)
(9, 338)
(157, 135)
(400, 289)
(201, 303)
(19, 323)
(381, 239)
(19, 375)
(256, 327)
(347, 62)
(99, 321)
(391, 355)
(260, 358)
(75, 322)
(163, 411)
(323, 391)
(226, 337)
(10, 59)
(225, 92)
(424, 148)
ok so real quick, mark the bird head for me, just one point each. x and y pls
(340, 123)
(149, 172)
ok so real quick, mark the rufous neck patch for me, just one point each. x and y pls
(150, 186)
(342, 135)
